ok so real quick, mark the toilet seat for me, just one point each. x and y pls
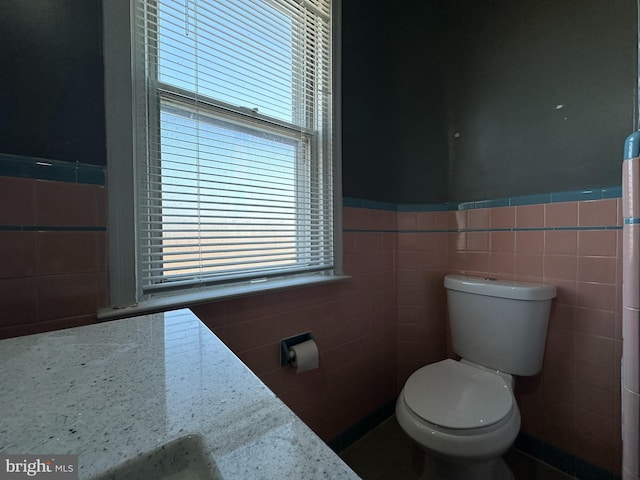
(458, 397)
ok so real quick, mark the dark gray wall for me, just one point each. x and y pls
(51, 85)
(394, 131)
(515, 64)
(414, 74)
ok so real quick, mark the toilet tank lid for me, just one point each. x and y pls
(500, 288)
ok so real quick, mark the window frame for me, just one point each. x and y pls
(126, 296)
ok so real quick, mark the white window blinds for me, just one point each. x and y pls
(233, 130)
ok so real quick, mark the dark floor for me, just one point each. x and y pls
(386, 453)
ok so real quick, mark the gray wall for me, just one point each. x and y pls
(515, 63)
(414, 73)
(493, 72)
(51, 85)
(393, 87)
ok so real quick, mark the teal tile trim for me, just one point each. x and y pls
(364, 426)
(56, 170)
(600, 193)
(530, 199)
(50, 228)
(371, 204)
(632, 221)
(563, 461)
(423, 207)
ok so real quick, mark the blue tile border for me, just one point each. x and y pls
(600, 193)
(528, 444)
(371, 204)
(361, 428)
(55, 170)
(50, 228)
(560, 459)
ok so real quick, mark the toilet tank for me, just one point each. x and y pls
(499, 324)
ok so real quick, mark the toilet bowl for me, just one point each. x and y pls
(463, 414)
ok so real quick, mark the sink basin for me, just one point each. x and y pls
(181, 459)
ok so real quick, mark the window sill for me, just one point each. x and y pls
(186, 299)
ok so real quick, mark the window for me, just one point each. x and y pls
(232, 173)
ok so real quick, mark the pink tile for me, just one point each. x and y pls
(18, 200)
(631, 349)
(503, 217)
(478, 241)
(529, 265)
(597, 269)
(530, 241)
(560, 267)
(631, 266)
(67, 252)
(595, 322)
(17, 254)
(101, 206)
(529, 216)
(599, 375)
(595, 400)
(562, 316)
(594, 450)
(349, 242)
(597, 243)
(560, 363)
(262, 359)
(477, 263)
(478, 218)
(596, 295)
(503, 242)
(374, 219)
(558, 388)
(441, 220)
(631, 432)
(502, 265)
(598, 213)
(389, 220)
(561, 340)
(457, 241)
(19, 301)
(561, 242)
(407, 241)
(72, 295)
(566, 292)
(352, 218)
(594, 348)
(458, 219)
(66, 204)
(407, 220)
(630, 185)
(426, 221)
(563, 214)
(595, 425)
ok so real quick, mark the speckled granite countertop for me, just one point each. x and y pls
(113, 391)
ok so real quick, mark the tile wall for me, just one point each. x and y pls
(353, 324)
(53, 267)
(574, 403)
(377, 328)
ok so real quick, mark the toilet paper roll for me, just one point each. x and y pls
(305, 356)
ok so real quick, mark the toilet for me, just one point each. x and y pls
(463, 414)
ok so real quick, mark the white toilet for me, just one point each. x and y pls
(463, 413)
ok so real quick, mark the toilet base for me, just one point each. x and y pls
(440, 469)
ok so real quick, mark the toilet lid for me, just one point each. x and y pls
(457, 396)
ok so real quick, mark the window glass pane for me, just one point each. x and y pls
(229, 196)
(240, 53)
